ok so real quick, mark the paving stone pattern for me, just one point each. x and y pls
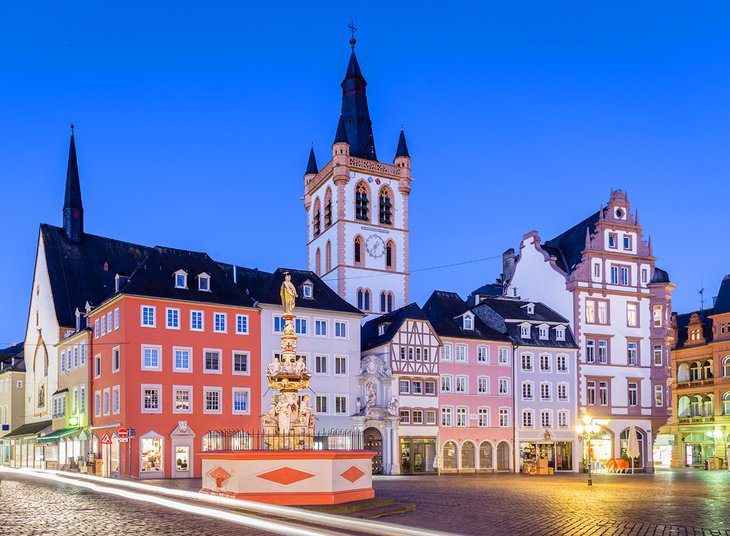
(666, 503)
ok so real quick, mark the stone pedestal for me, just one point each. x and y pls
(300, 477)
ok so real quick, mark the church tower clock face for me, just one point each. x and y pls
(375, 246)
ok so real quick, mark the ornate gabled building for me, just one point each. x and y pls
(601, 275)
(357, 209)
(700, 425)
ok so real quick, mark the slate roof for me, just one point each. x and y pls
(443, 308)
(682, 321)
(402, 149)
(7, 355)
(568, 246)
(722, 302)
(496, 313)
(77, 270)
(490, 289)
(153, 276)
(355, 113)
(659, 276)
(369, 337)
(264, 287)
(311, 163)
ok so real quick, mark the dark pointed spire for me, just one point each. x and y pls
(358, 125)
(402, 149)
(341, 134)
(311, 164)
(73, 209)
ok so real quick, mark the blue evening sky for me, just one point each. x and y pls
(194, 120)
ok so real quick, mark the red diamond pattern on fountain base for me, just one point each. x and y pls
(352, 474)
(220, 475)
(285, 475)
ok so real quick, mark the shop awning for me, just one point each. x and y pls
(56, 435)
(32, 428)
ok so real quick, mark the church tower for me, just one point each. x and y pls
(357, 209)
(73, 209)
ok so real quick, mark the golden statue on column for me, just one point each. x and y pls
(289, 423)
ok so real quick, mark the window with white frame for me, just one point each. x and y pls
(212, 402)
(426, 354)
(116, 318)
(103, 325)
(97, 404)
(320, 327)
(241, 324)
(527, 391)
(446, 352)
(562, 419)
(63, 361)
(543, 332)
(447, 416)
(468, 322)
(241, 401)
(461, 384)
(429, 387)
(307, 290)
(658, 396)
(82, 399)
(151, 395)
(341, 365)
(76, 357)
(219, 322)
(240, 363)
(417, 416)
(196, 321)
(603, 351)
(181, 279)
(503, 355)
(560, 333)
(404, 387)
(657, 315)
(545, 363)
(658, 356)
(405, 416)
(504, 418)
(446, 383)
(204, 282)
(97, 366)
(546, 420)
(483, 385)
(633, 394)
(340, 405)
(116, 359)
(416, 387)
(590, 351)
(462, 417)
(483, 354)
(525, 331)
(148, 316)
(461, 354)
(562, 361)
(212, 361)
(341, 329)
(279, 324)
(431, 416)
(97, 330)
(632, 353)
(527, 420)
(527, 362)
(116, 400)
(563, 392)
(300, 326)
(173, 318)
(182, 401)
(151, 358)
(504, 389)
(483, 417)
(320, 404)
(182, 359)
(320, 364)
(546, 391)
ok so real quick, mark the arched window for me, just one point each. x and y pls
(708, 403)
(695, 371)
(358, 251)
(317, 263)
(390, 255)
(385, 206)
(367, 300)
(360, 297)
(328, 256)
(683, 406)
(485, 455)
(327, 208)
(624, 439)
(695, 406)
(683, 372)
(362, 203)
(726, 403)
(382, 302)
(726, 367)
(315, 220)
(467, 455)
(389, 306)
(503, 456)
(707, 366)
(448, 456)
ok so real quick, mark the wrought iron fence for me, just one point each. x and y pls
(334, 439)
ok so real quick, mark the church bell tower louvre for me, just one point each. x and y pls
(357, 208)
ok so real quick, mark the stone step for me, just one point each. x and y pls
(357, 506)
(382, 511)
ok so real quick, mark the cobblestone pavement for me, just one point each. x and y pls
(667, 503)
(33, 507)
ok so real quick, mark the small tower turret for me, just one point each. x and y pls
(73, 209)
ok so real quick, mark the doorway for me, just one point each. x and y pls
(374, 442)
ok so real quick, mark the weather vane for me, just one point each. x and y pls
(352, 28)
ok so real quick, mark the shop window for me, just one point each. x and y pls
(151, 449)
(182, 458)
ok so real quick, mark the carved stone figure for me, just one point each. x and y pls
(274, 368)
(394, 407)
(371, 396)
(305, 411)
(300, 366)
(288, 294)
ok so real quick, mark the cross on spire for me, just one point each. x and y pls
(352, 28)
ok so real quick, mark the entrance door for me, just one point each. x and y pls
(503, 456)
(419, 457)
(374, 442)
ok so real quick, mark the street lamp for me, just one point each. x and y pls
(586, 431)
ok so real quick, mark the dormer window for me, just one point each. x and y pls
(181, 279)
(307, 290)
(525, 331)
(530, 308)
(468, 322)
(381, 329)
(544, 332)
(204, 282)
(560, 333)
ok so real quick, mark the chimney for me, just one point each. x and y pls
(78, 319)
(119, 282)
(508, 265)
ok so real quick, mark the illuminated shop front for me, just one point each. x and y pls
(417, 455)
(151, 450)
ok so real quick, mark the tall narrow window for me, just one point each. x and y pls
(317, 262)
(382, 302)
(328, 257)
(389, 306)
(358, 250)
(327, 208)
(361, 202)
(360, 297)
(367, 300)
(390, 255)
(385, 206)
(316, 218)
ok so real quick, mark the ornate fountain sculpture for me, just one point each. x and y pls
(289, 423)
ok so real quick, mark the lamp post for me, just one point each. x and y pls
(586, 431)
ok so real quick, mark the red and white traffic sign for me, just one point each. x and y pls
(105, 439)
(123, 433)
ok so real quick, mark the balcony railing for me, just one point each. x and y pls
(695, 383)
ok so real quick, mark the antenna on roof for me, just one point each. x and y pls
(702, 297)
